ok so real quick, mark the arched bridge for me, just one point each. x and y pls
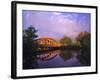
(46, 43)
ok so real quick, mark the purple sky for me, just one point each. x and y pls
(57, 24)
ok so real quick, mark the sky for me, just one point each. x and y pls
(56, 25)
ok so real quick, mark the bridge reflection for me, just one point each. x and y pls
(48, 55)
(64, 54)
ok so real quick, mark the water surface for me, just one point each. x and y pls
(60, 58)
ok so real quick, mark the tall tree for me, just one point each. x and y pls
(84, 38)
(29, 35)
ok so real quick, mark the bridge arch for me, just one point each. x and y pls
(46, 43)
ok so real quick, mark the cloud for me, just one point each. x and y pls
(56, 24)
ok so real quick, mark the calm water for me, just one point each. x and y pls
(60, 58)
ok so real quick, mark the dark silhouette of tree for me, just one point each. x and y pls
(86, 41)
(29, 35)
(84, 38)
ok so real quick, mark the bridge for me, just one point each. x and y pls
(46, 44)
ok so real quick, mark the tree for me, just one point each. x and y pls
(65, 41)
(84, 38)
(75, 43)
(29, 35)
(86, 41)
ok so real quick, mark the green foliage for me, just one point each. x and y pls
(84, 38)
(65, 41)
(86, 41)
(75, 43)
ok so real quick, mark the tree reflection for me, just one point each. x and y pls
(66, 54)
(85, 57)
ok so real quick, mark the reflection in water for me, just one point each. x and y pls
(85, 57)
(61, 58)
(48, 55)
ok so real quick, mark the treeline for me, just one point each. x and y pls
(83, 39)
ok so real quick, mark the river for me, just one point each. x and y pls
(61, 58)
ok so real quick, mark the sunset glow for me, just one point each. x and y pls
(57, 24)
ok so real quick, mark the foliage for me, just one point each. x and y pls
(29, 35)
(75, 43)
(65, 41)
(86, 41)
(84, 38)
